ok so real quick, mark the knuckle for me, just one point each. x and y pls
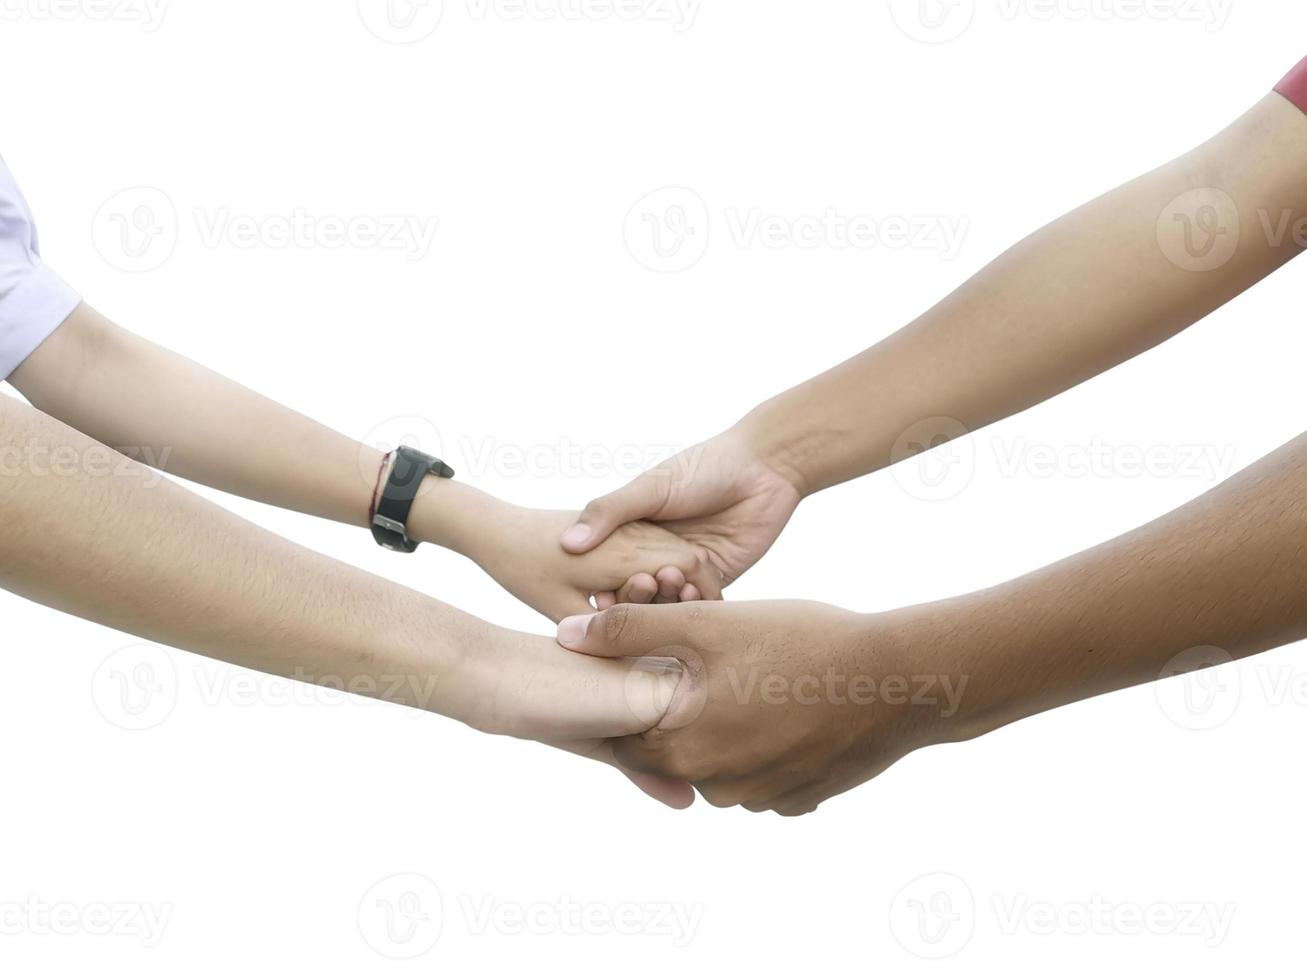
(594, 508)
(615, 624)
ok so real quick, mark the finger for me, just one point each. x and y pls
(642, 497)
(705, 577)
(731, 792)
(670, 582)
(690, 593)
(638, 753)
(795, 803)
(605, 600)
(622, 631)
(639, 588)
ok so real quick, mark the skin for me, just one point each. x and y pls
(184, 419)
(785, 704)
(92, 533)
(1089, 291)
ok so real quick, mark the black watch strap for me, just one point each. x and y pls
(390, 519)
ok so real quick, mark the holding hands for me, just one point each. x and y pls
(720, 496)
(781, 705)
(518, 547)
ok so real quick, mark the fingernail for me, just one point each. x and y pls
(576, 535)
(572, 629)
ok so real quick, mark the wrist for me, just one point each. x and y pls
(969, 652)
(771, 434)
(453, 515)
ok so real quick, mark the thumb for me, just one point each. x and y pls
(622, 631)
(675, 793)
(642, 498)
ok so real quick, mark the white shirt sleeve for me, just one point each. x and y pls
(33, 300)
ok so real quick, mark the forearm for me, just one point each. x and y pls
(1228, 570)
(98, 536)
(179, 417)
(1085, 293)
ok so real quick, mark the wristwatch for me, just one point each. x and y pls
(390, 518)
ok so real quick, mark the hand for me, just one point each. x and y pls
(782, 704)
(531, 688)
(518, 547)
(720, 496)
(522, 554)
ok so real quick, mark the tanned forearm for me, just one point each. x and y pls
(1089, 291)
(1228, 570)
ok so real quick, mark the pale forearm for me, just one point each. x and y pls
(178, 416)
(1228, 571)
(103, 538)
(1093, 289)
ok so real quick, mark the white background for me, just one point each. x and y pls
(267, 826)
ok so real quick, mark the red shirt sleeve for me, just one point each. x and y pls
(1294, 86)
